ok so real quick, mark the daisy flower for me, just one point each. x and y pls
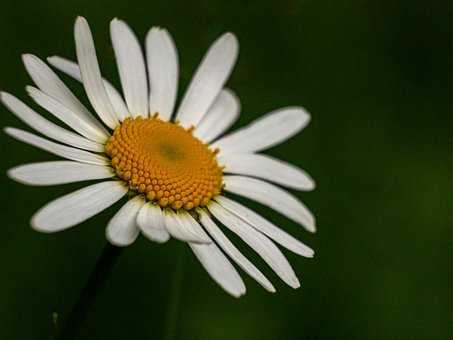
(176, 168)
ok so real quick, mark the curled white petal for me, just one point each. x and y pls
(151, 222)
(122, 229)
(180, 228)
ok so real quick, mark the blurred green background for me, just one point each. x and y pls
(377, 77)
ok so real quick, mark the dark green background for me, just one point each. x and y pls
(377, 77)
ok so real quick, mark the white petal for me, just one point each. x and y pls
(217, 265)
(266, 227)
(64, 114)
(221, 115)
(66, 66)
(272, 129)
(208, 80)
(233, 252)
(179, 227)
(58, 172)
(163, 69)
(73, 70)
(118, 104)
(42, 125)
(131, 66)
(57, 149)
(91, 75)
(258, 242)
(78, 206)
(268, 168)
(122, 229)
(49, 83)
(151, 222)
(271, 196)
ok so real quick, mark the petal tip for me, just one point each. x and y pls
(305, 115)
(295, 284)
(28, 59)
(8, 130)
(52, 59)
(26, 56)
(39, 226)
(115, 242)
(80, 23)
(230, 36)
(11, 173)
(237, 293)
(312, 228)
(309, 254)
(311, 186)
(80, 18)
(231, 40)
(157, 32)
(31, 90)
(116, 23)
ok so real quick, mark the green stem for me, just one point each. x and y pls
(174, 300)
(97, 278)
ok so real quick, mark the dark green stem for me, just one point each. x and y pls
(174, 300)
(98, 276)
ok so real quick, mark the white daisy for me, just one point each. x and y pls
(174, 167)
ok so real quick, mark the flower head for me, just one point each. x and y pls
(176, 168)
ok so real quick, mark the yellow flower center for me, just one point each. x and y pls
(165, 162)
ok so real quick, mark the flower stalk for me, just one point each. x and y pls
(97, 278)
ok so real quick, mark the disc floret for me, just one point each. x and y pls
(164, 162)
